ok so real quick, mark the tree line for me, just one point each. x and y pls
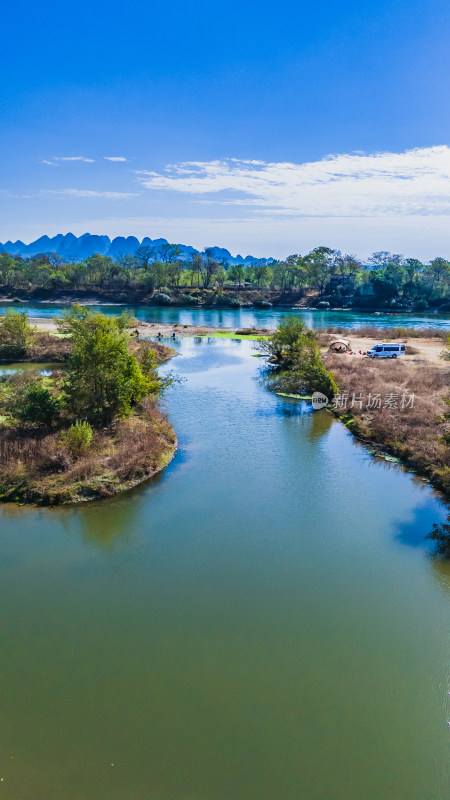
(386, 277)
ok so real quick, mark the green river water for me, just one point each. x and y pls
(261, 622)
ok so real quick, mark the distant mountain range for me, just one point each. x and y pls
(78, 248)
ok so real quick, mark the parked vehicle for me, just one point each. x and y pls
(390, 350)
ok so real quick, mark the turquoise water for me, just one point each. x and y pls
(245, 317)
(261, 622)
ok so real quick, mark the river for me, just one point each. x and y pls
(248, 317)
(261, 622)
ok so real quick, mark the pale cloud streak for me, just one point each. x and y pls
(416, 182)
(73, 158)
(88, 193)
(115, 158)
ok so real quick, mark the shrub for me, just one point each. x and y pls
(323, 304)
(188, 299)
(161, 299)
(78, 438)
(34, 403)
(312, 376)
(15, 334)
(421, 304)
(262, 304)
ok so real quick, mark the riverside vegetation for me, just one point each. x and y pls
(91, 428)
(419, 436)
(323, 277)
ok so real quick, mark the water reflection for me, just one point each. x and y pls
(243, 617)
(247, 318)
(413, 531)
(29, 368)
(441, 570)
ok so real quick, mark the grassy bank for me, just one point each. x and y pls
(252, 334)
(93, 427)
(414, 434)
(399, 407)
(37, 467)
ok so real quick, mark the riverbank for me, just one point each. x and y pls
(49, 457)
(169, 331)
(396, 407)
(37, 468)
(228, 297)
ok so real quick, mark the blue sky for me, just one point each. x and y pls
(267, 128)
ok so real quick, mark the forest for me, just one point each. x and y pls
(326, 277)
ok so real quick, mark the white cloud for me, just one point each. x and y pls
(48, 163)
(88, 193)
(115, 158)
(416, 182)
(73, 158)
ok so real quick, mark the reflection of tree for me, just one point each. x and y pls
(441, 569)
(110, 523)
(321, 424)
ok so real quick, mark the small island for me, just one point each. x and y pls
(90, 425)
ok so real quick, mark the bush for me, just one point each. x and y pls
(161, 299)
(78, 438)
(323, 304)
(262, 304)
(421, 304)
(34, 403)
(312, 376)
(15, 334)
(148, 282)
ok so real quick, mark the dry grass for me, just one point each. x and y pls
(46, 348)
(412, 434)
(386, 334)
(38, 468)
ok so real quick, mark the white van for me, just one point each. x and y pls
(387, 350)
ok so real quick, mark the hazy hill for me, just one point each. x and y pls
(77, 248)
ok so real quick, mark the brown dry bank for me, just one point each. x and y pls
(398, 405)
(38, 466)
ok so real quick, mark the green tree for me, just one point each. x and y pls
(144, 255)
(319, 264)
(308, 376)
(261, 273)
(103, 379)
(437, 276)
(236, 273)
(15, 334)
(295, 352)
(288, 343)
